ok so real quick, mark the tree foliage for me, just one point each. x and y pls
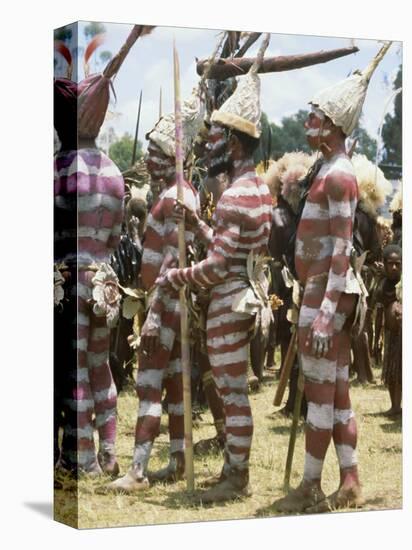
(392, 127)
(121, 152)
(105, 56)
(63, 33)
(92, 29)
(289, 136)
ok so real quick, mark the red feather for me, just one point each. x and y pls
(63, 50)
(93, 45)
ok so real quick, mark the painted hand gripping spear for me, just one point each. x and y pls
(184, 329)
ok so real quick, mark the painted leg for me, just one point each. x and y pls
(83, 400)
(173, 384)
(216, 407)
(104, 393)
(228, 339)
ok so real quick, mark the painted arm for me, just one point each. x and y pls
(215, 268)
(152, 257)
(341, 192)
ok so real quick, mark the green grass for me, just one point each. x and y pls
(379, 450)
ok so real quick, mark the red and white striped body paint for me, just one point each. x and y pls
(242, 224)
(89, 179)
(163, 368)
(322, 259)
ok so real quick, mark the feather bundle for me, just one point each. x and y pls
(91, 48)
(374, 188)
(284, 175)
(61, 47)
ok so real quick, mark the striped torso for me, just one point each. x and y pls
(89, 190)
(160, 245)
(242, 222)
(161, 236)
(325, 232)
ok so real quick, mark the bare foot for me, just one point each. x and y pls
(299, 499)
(344, 497)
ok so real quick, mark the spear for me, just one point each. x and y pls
(294, 429)
(184, 329)
(137, 129)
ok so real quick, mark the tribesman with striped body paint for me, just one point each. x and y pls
(160, 365)
(242, 221)
(330, 293)
(89, 191)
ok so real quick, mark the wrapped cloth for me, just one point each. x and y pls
(254, 299)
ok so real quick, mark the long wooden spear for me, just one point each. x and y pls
(137, 129)
(294, 429)
(184, 328)
(225, 68)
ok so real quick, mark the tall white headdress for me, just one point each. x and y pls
(241, 111)
(163, 134)
(343, 101)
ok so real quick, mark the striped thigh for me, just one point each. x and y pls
(228, 335)
(326, 383)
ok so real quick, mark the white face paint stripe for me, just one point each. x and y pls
(315, 132)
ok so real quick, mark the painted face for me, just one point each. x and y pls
(159, 165)
(314, 126)
(393, 267)
(218, 156)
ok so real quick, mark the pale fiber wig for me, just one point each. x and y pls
(374, 188)
(284, 175)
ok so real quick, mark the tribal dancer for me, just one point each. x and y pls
(87, 180)
(241, 229)
(322, 260)
(159, 358)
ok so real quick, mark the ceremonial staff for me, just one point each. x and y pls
(184, 329)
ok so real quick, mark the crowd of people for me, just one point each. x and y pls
(241, 237)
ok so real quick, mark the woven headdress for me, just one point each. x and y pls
(163, 134)
(343, 101)
(242, 110)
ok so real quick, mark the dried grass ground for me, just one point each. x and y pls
(379, 449)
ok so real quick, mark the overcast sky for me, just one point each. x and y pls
(149, 66)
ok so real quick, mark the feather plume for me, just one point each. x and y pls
(272, 179)
(66, 53)
(61, 47)
(91, 48)
(374, 188)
